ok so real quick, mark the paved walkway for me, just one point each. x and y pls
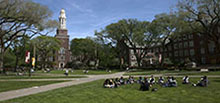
(33, 90)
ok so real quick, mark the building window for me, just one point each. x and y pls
(157, 50)
(170, 54)
(191, 44)
(201, 42)
(165, 54)
(202, 50)
(165, 49)
(203, 60)
(161, 49)
(185, 37)
(61, 58)
(211, 47)
(176, 54)
(190, 36)
(62, 51)
(186, 53)
(180, 45)
(169, 48)
(181, 53)
(175, 46)
(192, 52)
(185, 44)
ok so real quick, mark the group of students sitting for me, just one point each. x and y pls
(146, 83)
(114, 83)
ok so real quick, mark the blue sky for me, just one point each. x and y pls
(86, 16)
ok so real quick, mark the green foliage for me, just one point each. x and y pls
(19, 18)
(84, 50)
(45, 48)
(9, 61)
(203, 18)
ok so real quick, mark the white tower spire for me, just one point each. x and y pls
(62, 19)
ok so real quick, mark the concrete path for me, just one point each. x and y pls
(33, 90)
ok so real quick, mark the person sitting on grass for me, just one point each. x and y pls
(145, 85)
(140, 80)
(185, 80)
(152, 80)
(106, 83)
(112, 84)
(161, 81)
(130, 80)
(168, 83)
(109, 83)
(173, 82)
(117, 82)
(122, 81)
(203, 82)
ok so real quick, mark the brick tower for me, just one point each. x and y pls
(63, 55)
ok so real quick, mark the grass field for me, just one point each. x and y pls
(39, 77)
(166, 72)
(80, 72)
(13, 85)
(93, 92)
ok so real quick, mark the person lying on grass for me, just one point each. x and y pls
(203, 82)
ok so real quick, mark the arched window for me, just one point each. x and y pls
(62, 51)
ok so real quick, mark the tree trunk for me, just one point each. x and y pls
(217, 52)
(139, 62)
(2, 59)
(16, 64)
(2, 62)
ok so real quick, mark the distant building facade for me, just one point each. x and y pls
(63, 56)
(187, 47)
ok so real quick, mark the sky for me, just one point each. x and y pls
(86, 16)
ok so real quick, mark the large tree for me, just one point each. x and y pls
(203, 17)
(133, 33)
(84, 50)
(166, 26)
(45, 49)
(19, 47)
(19, 17)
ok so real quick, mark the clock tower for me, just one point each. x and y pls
(63, 55)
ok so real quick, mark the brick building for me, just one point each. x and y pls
(187, 47)
(63, 56)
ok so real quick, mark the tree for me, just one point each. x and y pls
(203, 17)
(45, 48)
(166, 25)
(84, 50)
(19, 17)
(106, 54)
(132, 33)
(19, 47)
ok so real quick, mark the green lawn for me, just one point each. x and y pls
(80, 72)
(93, 92)
(39, 77)
(13, 85)
(166, 72)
